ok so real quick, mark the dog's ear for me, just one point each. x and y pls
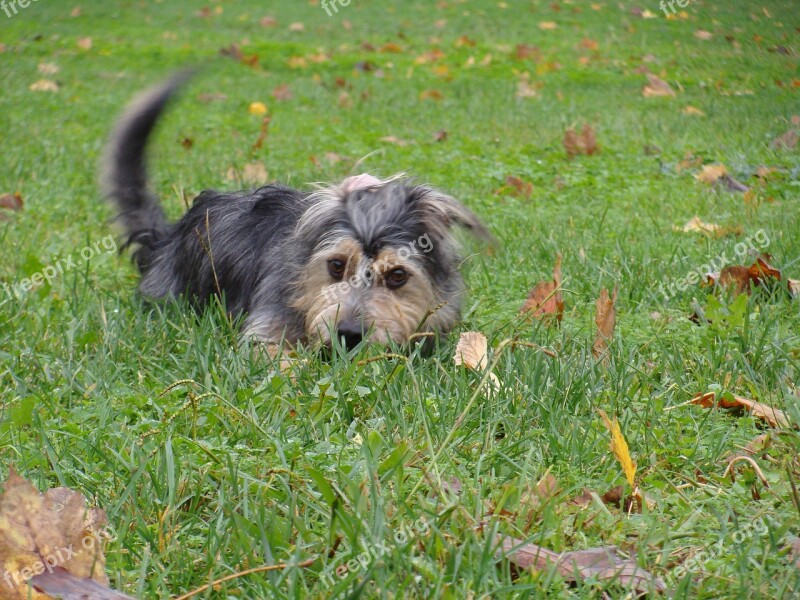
(440, 210)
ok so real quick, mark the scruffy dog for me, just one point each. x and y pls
(365, 259)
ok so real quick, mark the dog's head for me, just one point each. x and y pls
(382, 261)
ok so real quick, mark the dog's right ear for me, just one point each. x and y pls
(439, 210)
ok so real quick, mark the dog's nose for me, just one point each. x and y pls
(350, 334)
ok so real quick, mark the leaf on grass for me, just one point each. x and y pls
(257, 108)
(603, 564)
(695, 224)
(548, 25)
(693, 111)
(12, 202)
(440, 136)
(390, 139)
(85, 43)
(282, 92)
(794, 287)
(44, 85)
(48, 68)
(472, 353)
(606, 320)
(584, 142)
(702, 34)
(431, 95)
(710, 174)
(773, 416)
(741, 277)
(526, 89)
(36, 531)
(656, 87)
(263, 133)
(786, 141)
(546, 298)
(620, 447)
(793, 550)
(516, 187)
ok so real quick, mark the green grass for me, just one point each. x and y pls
(238, 465)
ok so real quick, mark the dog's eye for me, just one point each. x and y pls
(396, 278)
(336, 268)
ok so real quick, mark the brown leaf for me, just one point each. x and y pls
(255, 173)
(390, 139)
(524, 51)
(36, 530)
(605, 319)
(741, 277)
(263, 133)
(773, 416)
(440, 136)
(603, 564)
(391, 48)
(614, 496)
(44, 85)
(548, 25)
(794, 287)
(297, 27)
(268, 21)
(786, 141)
(580, 143)
(85, 43)
(12, 202)
(431, 95)
(711, 173)
(696, 225)
(693, 111)
(702, 34)
(282, 92)
(546, 298)
(517, 187)
(656, 87)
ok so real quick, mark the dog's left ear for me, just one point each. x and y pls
(440, 210)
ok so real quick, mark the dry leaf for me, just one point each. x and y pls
(257, 108)
(580, 143)
(702, 34)
(40, 532)
(603, 564)
(793, 550)
(526, 90)
(390, 139)
(656, 87)
(297, 27)
(471, 352)
(48, 68)
(431, 95)
(282, 92)
(787, 141)
(794, 287)
(440, 136)
(11, 202)
(605, 319)
(773, 416)
(44, 85)
(620, 447)
(695, 224)
(515, 186)
(741, 277)
(85, 43)
(268, 21)
(546, 298)
(548, 25)
(711, 173)
(255, 173)
(262, 134)
(691, 110)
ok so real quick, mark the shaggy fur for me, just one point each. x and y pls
(299, 265)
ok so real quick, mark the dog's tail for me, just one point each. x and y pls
(123, 178)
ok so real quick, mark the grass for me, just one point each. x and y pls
(210, 461)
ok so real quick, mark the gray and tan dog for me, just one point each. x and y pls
(365, 259)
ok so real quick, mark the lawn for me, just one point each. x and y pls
(369, 475)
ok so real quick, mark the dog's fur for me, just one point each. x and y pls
(274, 253)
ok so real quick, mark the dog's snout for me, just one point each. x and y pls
(350, 333)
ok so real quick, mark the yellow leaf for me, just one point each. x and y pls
(620, 447)
(711, 173)
(472, 352)
(548, 25)
(257, 108)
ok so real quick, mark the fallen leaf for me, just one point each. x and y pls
(602, 564)
(741, 277)
(787, 141)
(268, 21)
(696, 225)
(262, 134)
(546, 298)
(43, 532)
(656, 87)
(235, 52)
(702, 34)
(691, 110)
(257, 108)
(186, 142)
(580, 143)
(255, 173)
(440, 136)
(472, 353)
(431, 95)
(297, 27)
(85, 43)
(12, 202)
(390, 139)
(525, 51)
(792, 547)
(282, 92)
(391, 48)
(711, 173)
(548, 25)
(44, 85)
(605, 319)
(794, 287)
(75, 12)
(619, 447)
(48, 68)
(773, 416)
(526, 90)
(429, 57)
(514, 186)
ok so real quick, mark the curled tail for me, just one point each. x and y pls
(123, 177)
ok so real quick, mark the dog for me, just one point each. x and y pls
(364, 259)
